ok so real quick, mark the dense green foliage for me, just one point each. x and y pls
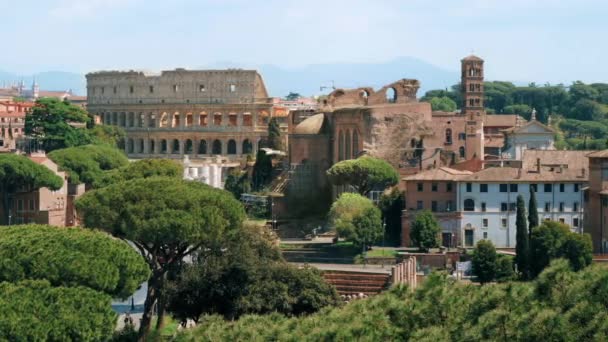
(424, 232)
(51, 122)
(484, 261)
(522, 236)
(364, 174)
(552, 240)
(165, 226)
(274, 135)
(262, 170)
(108, 135)
(532, 212)
(37, 311)
(17, 172)
(85, 164)
(237, 183)
(444, 104)
(356, 218)
(392, 205)
(246, 274)
(143, 168)
(559, 306)
(70, 257)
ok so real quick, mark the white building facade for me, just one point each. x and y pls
(487, 202)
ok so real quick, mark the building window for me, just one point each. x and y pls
(103, 90)
(534, 187)
(513, 187)
(469, 187)
(232, 88)
(114, 90)
(483, 187)
(503, 222)
(547, 206)
(575, 222)
(504, 206)
(434, 187)
(562, 220)
(151, 89)
(561, 207)
(131, 89)
(201, 88)
(512, 206)
(448, 187)
(175, 88)
(32, 205)
(419, 205)
(448, 136)
(575, 206)
(461, 151)
(462, 136)
(484, 223)
(433, 206)
(548, 187)
(504, 188)
(420, 187)
(575, 187)
(485, 235)
(469, 205)
(20, 205)
(562, 187)
(448, 206)
(483, 206)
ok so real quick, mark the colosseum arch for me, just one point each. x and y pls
(189, 149)
(202, 119)
(176, 120)
(130, 145)
(217, 119)
(391, 95)
(140, 146)
(232, 119)
(175, 146)
(152, 145)
(231, 146)
(189, 120)
(202, 147)
(217, 147)
(247, 146)
(164, 120)
(163, 146)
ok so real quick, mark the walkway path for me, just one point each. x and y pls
(349, 267)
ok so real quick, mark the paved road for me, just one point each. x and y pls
(349, 267)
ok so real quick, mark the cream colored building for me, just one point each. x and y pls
(198, 113)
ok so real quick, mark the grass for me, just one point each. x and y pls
(382, 252)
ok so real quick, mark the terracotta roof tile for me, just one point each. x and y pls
(442, 173)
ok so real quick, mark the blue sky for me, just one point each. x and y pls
(526, 40)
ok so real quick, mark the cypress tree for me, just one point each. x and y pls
(532, 212)
(522, 249)
(274, 135)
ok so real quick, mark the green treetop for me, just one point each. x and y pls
(143, 168)
(425, 231)
(444, 104)
(356, 218)
(166, 219)
(17, 172)
(364, 174)
(85, 164)
(484, 261)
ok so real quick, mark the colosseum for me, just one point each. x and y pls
(177, 113)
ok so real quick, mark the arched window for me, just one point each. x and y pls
(164, 120)
(189, 147)
(152, 146)
(461, 151)
(231, 146)
(217, 147)
(163, 146)
(469, 205)
(340, 146)
(355, 144)
(347, 142)
(175, 146)
(202, 147)
(176, 120)
(130, 146)
(189, 120)
(247, 146)
(202, 119)
(391, 95)
(141, 146)
(448, 136)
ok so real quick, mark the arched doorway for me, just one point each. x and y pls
(217, 147)
(202, 147)
(231, 146)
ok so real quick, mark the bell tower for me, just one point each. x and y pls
(472, 106)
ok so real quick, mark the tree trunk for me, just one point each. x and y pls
(160, 304)
(151, 298)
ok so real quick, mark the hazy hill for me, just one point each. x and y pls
(280, 81)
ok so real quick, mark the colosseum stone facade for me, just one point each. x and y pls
(199, 113)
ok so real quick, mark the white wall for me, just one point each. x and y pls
(505, 236)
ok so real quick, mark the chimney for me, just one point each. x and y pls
(538, 165)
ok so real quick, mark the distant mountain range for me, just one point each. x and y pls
(280, 81)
